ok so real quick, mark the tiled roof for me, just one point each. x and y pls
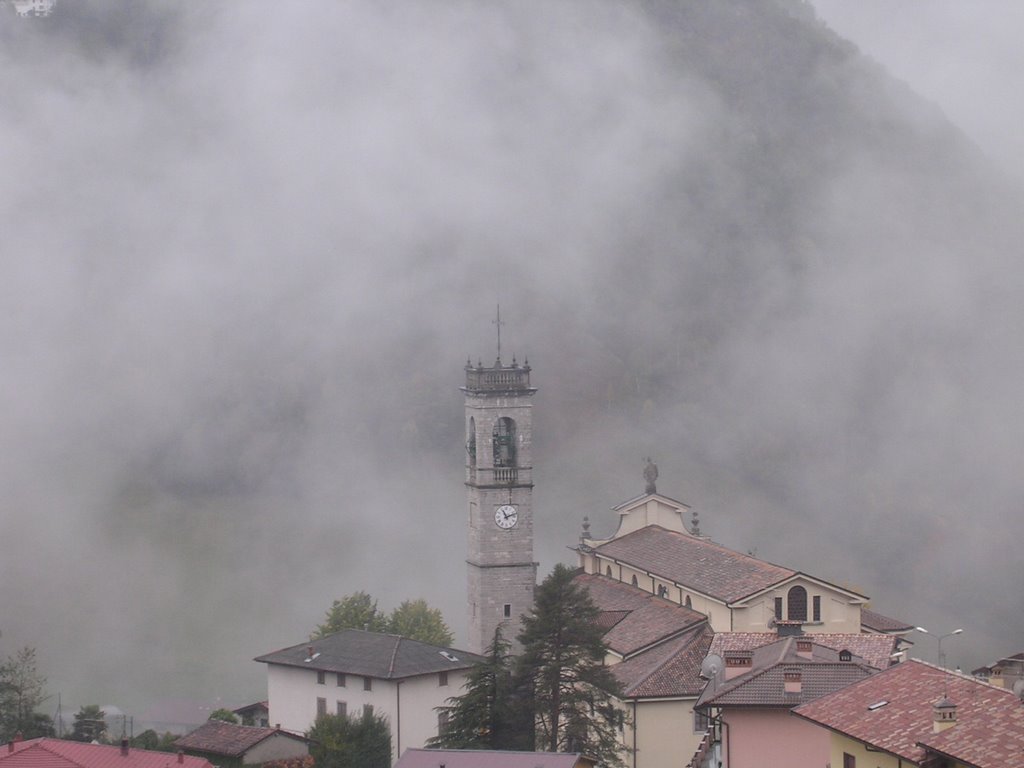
(220, 738)
(989, 732)
(373, 654)
(669, 669)
(635, 619)
(57, 753)
(764, 684)
(879, 623)
(479, 758)
(875, 650)
(693, 562)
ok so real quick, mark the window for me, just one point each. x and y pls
(341, 679)
(508, 610)
(504, 439)
(700, 722)
(367, 683)
(342, 709)
(849, 761)
(816, 607)
(367, 710)
(662, 590)
(635, 582)
(845, 655)
(778, 609)
(471, 443)
(608, 571)
(796, 604)
(688, 603)
(321, 706)
(442, 679)
(442, 721)
(321, 677)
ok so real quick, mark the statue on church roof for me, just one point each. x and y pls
(650, 475)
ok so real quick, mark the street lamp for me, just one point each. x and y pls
(942, 658)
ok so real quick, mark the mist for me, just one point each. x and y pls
(248, 249)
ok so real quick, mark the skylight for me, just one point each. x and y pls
(877, 705)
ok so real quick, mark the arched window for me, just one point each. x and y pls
(504, 442)
(608, 571)
(662, 590)
(689, 602)
(471, 443)
(635, 582)
(796, 604)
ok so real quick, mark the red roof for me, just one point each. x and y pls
(892, 711)
(669, 669)
(693, 562)
(221, 738)
(875, 650)
(57, 753)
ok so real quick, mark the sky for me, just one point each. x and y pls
(244, 262)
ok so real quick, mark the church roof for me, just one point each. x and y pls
(632, 618)
(694, 562)
(371, 654)
(671, 668)
(875, 650)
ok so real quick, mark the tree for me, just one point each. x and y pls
(21, 693)
(355, 611)
(573, 702)
(413, 619)
(224, 714)
(417, 620)
(349, 742)
(90, 724)
(483, 716)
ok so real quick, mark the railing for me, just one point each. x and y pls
(513, 377)
(699, 759)
(499, 475)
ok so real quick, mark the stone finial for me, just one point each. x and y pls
(585, 535)
(695, 524)
(650, 476)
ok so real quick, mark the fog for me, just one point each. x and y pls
(247, 249)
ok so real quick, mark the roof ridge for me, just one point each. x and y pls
(394, 656)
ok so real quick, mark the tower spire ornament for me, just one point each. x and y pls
(497, 323)
(650, 476)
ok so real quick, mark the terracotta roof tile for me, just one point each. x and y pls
(220, 738)
(57, 753)
(879, 623)
(697, 563)
(635, 619)
(669, 669)
(875, 650)
(989, 732)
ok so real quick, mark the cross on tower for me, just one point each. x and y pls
(498, 323)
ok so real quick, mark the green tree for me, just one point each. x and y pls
(350, 742)
(417, 620)
(483, 716)
(573, 701)
(90, 724)
(355, 611)
(224, 714)
(413, 619)
(21, 693)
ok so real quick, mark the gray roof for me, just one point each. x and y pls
(371, 654)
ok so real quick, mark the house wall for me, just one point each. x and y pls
(292, 693)
(663, 733)
(756, 738)
(865, 759)
(275, 748)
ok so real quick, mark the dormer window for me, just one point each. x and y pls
(845, 655)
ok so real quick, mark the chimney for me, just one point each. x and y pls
(181, 756)
(943, 715)
(791, 680)
(738, 663)
(804, 648)
(10, 746)
(124, 747)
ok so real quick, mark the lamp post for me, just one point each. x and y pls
(942, 658)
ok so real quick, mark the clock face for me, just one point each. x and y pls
(506, 516)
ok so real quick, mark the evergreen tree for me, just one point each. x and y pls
(483, 717)
(572, 700)
(417, 620)
(350, 742)
(90, 724)
(21, 693)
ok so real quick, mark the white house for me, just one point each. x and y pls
(353, 671)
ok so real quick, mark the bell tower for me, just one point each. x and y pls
(499, 488)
